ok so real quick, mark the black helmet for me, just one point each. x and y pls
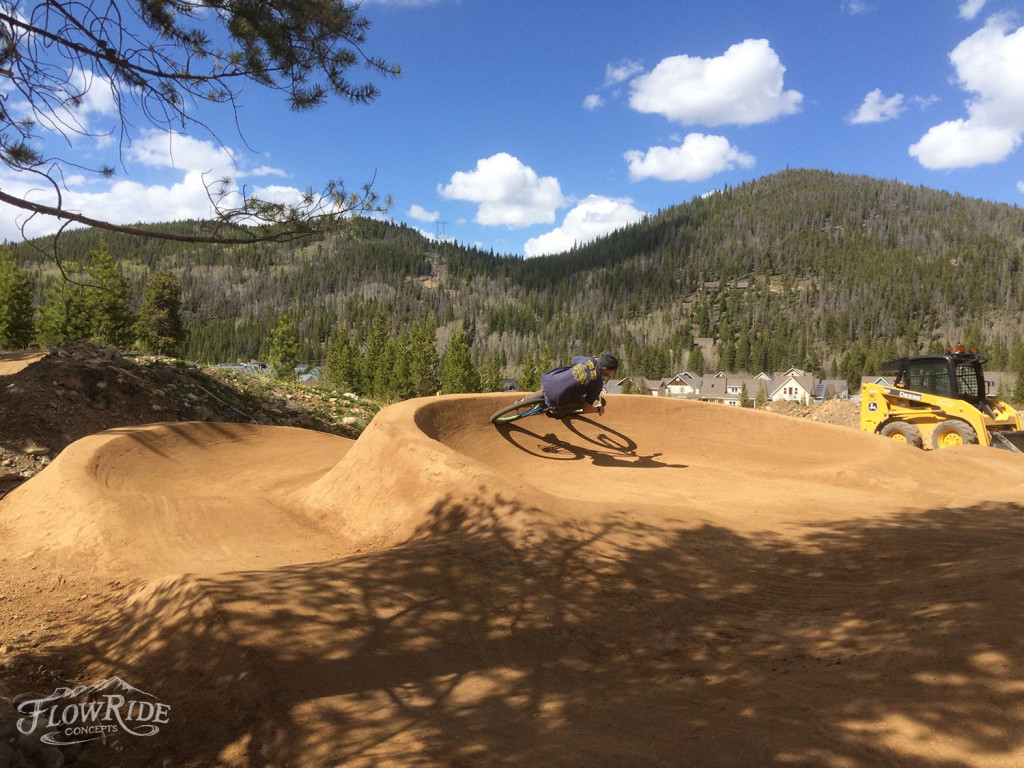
(608, 360)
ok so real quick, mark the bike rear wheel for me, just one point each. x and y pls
(519, 409)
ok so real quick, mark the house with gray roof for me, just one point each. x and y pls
(733, 389)
(830, 389)
(728, 389)
(794, 385)
(685, 384)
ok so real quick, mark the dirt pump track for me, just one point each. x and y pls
(671, 583)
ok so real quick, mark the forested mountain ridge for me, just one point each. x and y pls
(811, 268)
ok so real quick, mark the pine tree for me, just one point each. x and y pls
(424, 362)
(65, 314)
(695, 362)
(159, 329)
(16, 314)
(812, 363)
(341, 368)
(108, 301)
(373, 353)
(742, 362)
(761, 399)
(490, 373)
(401, 380)
(853, 365)
(392, 381)
(284, 348)
(458, 373)
(726, 356)
(529, 379)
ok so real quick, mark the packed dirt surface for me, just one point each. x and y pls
(671, 583)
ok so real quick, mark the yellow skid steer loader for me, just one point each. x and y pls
(939, 400)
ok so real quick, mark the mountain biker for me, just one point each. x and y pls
(571, 387)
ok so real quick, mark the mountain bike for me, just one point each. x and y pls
(530, 406)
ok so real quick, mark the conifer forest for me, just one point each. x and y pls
(828, 272)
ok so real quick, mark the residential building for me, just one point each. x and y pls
(740, 389)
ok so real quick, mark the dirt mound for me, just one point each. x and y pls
(673, 578)
(165, 499)
(47, 401)
(845, 413)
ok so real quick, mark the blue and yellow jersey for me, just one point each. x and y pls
(584, 372)
(573, 384)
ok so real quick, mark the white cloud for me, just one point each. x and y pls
(420, 213)
(743, 86)
(159, 149)
(699, 157)
(507, 192)
(189, 165)
(98, 95)
(279, 194)
(971, 9)
(266, 170)
(877, 108)
(990, 65)
(855, 7)
(1020, 187)
(593, 217)
(619, 73)
(614, 74)
(91, 95)
(127, 202)
(964, 144)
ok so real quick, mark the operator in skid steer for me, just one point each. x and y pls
(940, 399)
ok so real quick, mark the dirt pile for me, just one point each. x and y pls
(80, 389)
(845, 413)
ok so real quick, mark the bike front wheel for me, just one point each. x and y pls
(519, 409)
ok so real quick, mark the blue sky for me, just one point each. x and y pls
(525, 127)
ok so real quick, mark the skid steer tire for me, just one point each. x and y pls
(952, 433)
(902, 432)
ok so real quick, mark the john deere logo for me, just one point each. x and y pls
(88, 712)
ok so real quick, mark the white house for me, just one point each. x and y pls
(794, 385)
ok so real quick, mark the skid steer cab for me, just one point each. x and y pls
(939, 401)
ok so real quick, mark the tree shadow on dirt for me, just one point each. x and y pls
(495, 639)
